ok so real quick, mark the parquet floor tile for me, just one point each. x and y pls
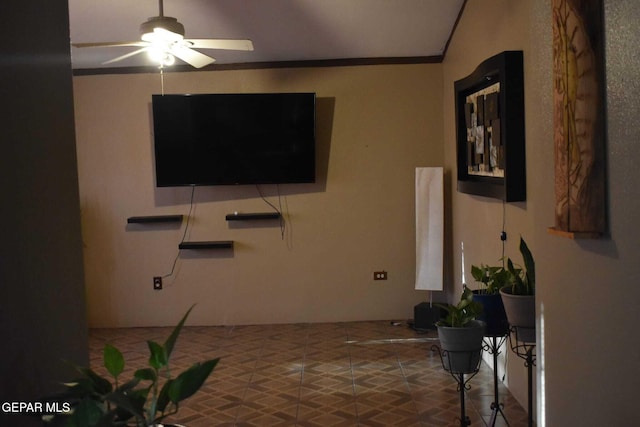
(314, 375)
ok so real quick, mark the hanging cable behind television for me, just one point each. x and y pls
(184, 235)
(277, 209)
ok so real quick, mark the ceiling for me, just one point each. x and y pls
(281, 30)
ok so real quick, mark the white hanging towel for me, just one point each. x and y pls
(429, 228)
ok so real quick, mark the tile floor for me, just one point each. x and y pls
(329, 374)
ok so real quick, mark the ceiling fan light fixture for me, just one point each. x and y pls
(162, 28)
(161, 56)
(162, 36)
(163, 40)
(168, 60)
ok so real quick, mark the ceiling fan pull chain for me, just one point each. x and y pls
(161, 67)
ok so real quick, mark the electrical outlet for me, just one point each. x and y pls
(157, 283)
(380, 275)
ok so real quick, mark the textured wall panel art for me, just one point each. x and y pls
(579, 118)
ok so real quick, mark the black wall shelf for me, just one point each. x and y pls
(154, 219)
(252, 216)
(216, 244)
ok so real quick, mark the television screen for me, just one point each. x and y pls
(225, 139)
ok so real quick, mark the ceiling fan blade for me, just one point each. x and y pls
(125, 56)
(192, 57)
(221, 44)
(110, 44)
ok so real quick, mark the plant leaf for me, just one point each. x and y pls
(128, 404)
(129, 385)
(158, 356)
(467, 296)
(87, 413)
(190, 381)
(171, 340)
(100, 385)
(113, 360)
(145, 374)
(462, 313)
(163, 396)
(77, 389)
(529, 264)
(477, 273)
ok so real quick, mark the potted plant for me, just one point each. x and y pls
(142, 401)
(461, 334)
(518, 295)
(492, 279)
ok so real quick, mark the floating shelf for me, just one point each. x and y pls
(154, 219)
(217, 244)
(252, 216)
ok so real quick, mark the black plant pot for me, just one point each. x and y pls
(493, 314)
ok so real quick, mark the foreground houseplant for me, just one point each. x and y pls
(518, 295)
(492, 279)
(145, 400)
(461, 335)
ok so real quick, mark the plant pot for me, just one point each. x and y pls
(493, 314)
(521, 314)
(461, 347)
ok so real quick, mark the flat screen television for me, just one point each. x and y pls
(227, 139)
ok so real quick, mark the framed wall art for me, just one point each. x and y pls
(489, 115)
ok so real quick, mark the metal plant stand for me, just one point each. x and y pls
(526, 351)
(493, 347)
(473, 368)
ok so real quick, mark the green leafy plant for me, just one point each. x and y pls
(145, 400)
(461, 314)
(523, 279)
(492, 278)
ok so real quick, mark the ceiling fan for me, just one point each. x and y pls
(163, 39)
